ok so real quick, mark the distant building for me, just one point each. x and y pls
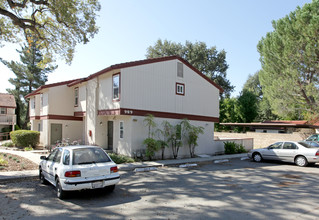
(7, 111)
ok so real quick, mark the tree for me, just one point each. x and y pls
(31, 73)
(163, 136)
(264, 111)
(207, 60)
(191, 133)
(247, 106)
(58, 25)
(290, 69)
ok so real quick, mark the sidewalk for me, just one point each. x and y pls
(35, 157)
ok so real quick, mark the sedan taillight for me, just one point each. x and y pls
(114, 169)
(76, 173)
(317, 153)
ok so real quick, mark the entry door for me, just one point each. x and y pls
(56, 133)
(110, 135)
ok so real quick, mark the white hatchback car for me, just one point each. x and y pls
(78, 167)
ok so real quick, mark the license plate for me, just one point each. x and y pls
(97, 184)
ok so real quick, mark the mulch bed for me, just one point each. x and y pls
(16, 163)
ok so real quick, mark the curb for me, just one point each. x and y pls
(137, 167)
(172, 163)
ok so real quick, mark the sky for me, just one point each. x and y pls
(128, 28)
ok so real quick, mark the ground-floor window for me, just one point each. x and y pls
(121, 129)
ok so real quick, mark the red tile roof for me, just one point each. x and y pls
(7, 100)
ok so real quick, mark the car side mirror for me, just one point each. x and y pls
(43, 158)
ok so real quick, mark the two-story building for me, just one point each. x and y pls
(108, 108)
(7, 111)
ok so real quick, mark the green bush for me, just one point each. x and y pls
(234, 148)
(121, 158)
(25, 138)
(152, 146)
(8, 144)
(28, 149)
(230, 147)
(3, 162)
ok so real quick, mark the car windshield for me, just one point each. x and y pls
(309, 144)
(89, 156)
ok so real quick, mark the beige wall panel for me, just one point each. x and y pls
(105, 93)
(82, 98)
(149, 87)
(91, 111)
(61, 100)
(44, 106)
(153, 87)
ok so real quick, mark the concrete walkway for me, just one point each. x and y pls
(35, 157)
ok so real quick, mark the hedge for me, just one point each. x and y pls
(25, 138)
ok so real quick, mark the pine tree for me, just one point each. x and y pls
(31, 73)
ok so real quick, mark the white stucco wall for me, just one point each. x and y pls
(136, 132)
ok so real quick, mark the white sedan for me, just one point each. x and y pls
(78, 167)
(300, 153)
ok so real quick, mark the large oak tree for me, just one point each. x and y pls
(57, 24)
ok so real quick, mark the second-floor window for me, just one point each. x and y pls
(180, 89)
(3, 111)
(116, 87)
(76, 96)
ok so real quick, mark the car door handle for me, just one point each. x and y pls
(48, 166)
(55, 168)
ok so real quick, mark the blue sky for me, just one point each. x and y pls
(128, 27)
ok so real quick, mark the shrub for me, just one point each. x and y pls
(230, 147)
(28, 148)
(121, 158)
(8, 144)
(25, 138)
(3, 162)
(152, 146)
(234, 148)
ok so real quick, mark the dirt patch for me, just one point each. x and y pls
(287, 183)
(16, 163)
(290, 176)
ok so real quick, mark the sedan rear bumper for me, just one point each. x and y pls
(68, 185)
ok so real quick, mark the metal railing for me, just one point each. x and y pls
(4, 136)
(8, 119)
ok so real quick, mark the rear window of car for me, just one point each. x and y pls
(89, 155)
(309, 145)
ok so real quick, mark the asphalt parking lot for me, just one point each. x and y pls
(239, 189)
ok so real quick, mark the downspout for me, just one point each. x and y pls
(97, 92)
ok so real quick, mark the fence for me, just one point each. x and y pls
(262, 139)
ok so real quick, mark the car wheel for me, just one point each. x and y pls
(41, 177)
(109, 188)
(59, 191)
(301, 161)
(257, 157)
